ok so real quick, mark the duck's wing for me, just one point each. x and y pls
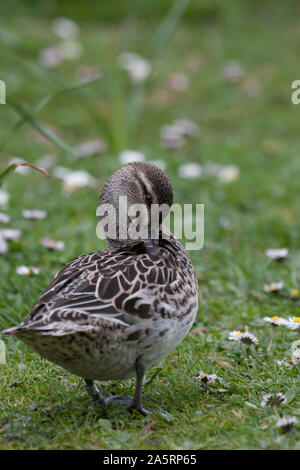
(117, 288)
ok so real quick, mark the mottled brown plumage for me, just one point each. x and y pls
(115, 313)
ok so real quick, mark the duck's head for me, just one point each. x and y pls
(138, 195)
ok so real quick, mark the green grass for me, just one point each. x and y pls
(44, 407)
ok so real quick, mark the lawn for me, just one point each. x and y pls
(247, 121)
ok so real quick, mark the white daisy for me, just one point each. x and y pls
(160, 163)
(10, 234)
(50, 57)
(47, 161)
(27, 270)
(234, 335)
(51, 244)
(229, 173)
(137, 67)
(273, 399)
(61, 172)
(274, 320)
(186, 127)
(248, 339)
(179, 82)
(294, 293)
(273, 287)
(190, 170)
(34, 214)
(23, 170)
(86, 73)
(287, 424)
(171, 137)
(65, 28)
(293, 323)
(90, 147)
(225, 223)
(70, 49)
(78, 179)
(129, 156)
(206, 379)
(233, 71)
(4, 218)
(277, 254)
(211, 169)
(4, 198)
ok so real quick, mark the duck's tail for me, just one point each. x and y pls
(14, 330)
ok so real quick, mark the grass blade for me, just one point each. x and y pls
(12, 168)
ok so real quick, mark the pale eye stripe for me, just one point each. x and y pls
(149, 188)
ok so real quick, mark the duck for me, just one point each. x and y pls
(115, 313)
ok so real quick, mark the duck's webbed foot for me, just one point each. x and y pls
(129, 403)
(124, 401)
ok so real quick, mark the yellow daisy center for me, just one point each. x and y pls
(275, 318)
(296, 319)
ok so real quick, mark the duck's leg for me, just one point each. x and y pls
(136, 402)
(93, 391)
(137, 399)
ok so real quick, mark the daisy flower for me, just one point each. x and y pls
(229, 173)
(78, 179)
(34, 214)
(287, 424)
(23, 170)
(275, 321)
(171, 137)
(179, 82)
(160, 163)
(137, 67)
(277, 254)
(50, 57)
(234, 335)
(10, 234)
(87, 72)
(51, 244)
(4, 218)
(206, 379)
(27, 270)
(247, 339)
(65, 28)
(47, 161)
(186, 127)
(293, 323)
(294, 293)
(273, 399)
(233, 71)
(274, 287)
(190, 170)
(90, 147)
(70, 49)
(129, 156)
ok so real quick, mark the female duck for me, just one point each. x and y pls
(111, 314)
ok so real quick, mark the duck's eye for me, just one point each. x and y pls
(148, 198)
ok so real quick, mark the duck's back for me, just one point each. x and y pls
(104, 309)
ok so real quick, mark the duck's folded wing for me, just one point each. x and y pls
(121, 294)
